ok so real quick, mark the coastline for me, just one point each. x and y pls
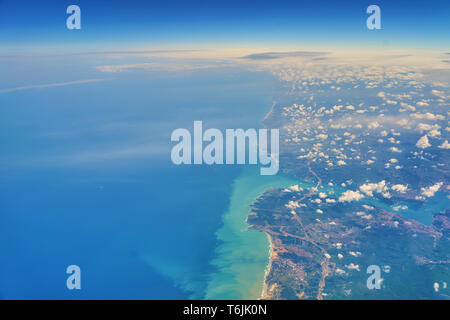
(241, 262)
(241, 259)
(264, 292)
(244, 255)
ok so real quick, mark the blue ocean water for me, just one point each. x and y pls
(86, 179)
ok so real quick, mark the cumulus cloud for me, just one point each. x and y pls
(434, 133)
(369, 188)
(427, 127)
(437, 93)
(436, 287)
(389, 101)
(350, 195)
(399, 188)
(381, 94)
(445, 145)
(295, 188)
(373, 125)
(422, 104)
(423, 143)
(322, 136)
(430, 191)
(292, 205)
(353, 266)
(339, 271)
(428, 116)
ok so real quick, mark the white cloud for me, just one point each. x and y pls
(434, 133)
(388, 101)
(399, 188)
(445, 145)
(369, 188)
(423, 142)
(428, 116)
(350, 195)
(422, 104)
(292, 205)
(436, 287)
(427, 127)
(403, 122)
(381, 94)
(355, 254)
(373, 125)
(431, 190)
(339, 271)
(437, 93)
(295, 188)
(352, 266)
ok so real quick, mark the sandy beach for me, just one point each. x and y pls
(264, 293)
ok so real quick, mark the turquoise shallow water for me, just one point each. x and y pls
(422, 212)
(243, 255)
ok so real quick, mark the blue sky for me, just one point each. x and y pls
(123, 24)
